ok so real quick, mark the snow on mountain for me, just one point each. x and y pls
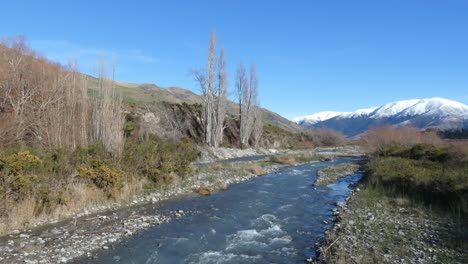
(423, 113)
(315, 118)
(358, 113)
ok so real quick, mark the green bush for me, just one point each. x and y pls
(433, 174)
(158, 159)
(422, 173)
(108, 179)
(18, 163)
(17, 174)
(419, 152)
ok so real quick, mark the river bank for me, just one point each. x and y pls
(269, 219)
(80, 235)
(59, 241)
(374, 228)
(62, 241)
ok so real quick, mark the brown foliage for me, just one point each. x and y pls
(326, 137)
(46, 105)
(380, 138)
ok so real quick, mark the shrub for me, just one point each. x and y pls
(19, 163)
(429, 174)
(108, 179)
(383, 139)
(17, 176)
(326, 137)
(49, 199)
(158, 159)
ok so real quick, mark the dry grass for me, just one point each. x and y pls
(82, 197)
(256, 169)
(202, 191)
(286, 160)
(331, 174)
(19, 214)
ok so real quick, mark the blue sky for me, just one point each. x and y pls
(311, 55)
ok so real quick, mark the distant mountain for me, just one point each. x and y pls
(423, 113)
(315, 118)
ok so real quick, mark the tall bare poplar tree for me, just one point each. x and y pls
(220, 98)
(241, 84)
(242, 89)
(257, 121)
(213, 84)
(249, 111)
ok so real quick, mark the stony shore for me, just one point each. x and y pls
(85, 233)
(61, 241)
(373, 228)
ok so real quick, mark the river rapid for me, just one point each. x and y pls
(276, 218)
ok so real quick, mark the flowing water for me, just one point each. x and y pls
(272, 219)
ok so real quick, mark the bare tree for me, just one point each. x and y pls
(108, 120)
(257, 119)
(244, 99)
(249, 111)
(220, 99)
(241, 86)
(18, 84)
(47, 104)
(213, 85)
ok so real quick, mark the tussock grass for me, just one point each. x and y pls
(285, 160)
(256, 169)
(331, 174)
(293, 159)
(434, 174)
(377, 222)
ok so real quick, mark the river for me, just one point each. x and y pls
(276, 218)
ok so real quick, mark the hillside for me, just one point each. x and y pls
(423, 113)
(146, 95)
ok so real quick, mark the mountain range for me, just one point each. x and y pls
(423, 113)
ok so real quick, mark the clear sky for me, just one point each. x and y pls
(311, 55)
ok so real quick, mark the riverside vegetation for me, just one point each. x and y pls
(58, 183)
(413, 206)
(71, 143)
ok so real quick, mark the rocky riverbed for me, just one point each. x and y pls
(373, 228)
(102, 227)
(87, 232)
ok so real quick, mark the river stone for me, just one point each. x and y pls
(56, 231)
(341, 204)
(24, 236)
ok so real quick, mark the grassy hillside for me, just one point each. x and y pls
(143, 95)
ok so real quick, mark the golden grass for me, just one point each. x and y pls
(202, 191)
(20, 215)
(256, 169)
(286, 160)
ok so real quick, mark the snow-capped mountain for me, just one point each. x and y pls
(423, 113)
(315, 118)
